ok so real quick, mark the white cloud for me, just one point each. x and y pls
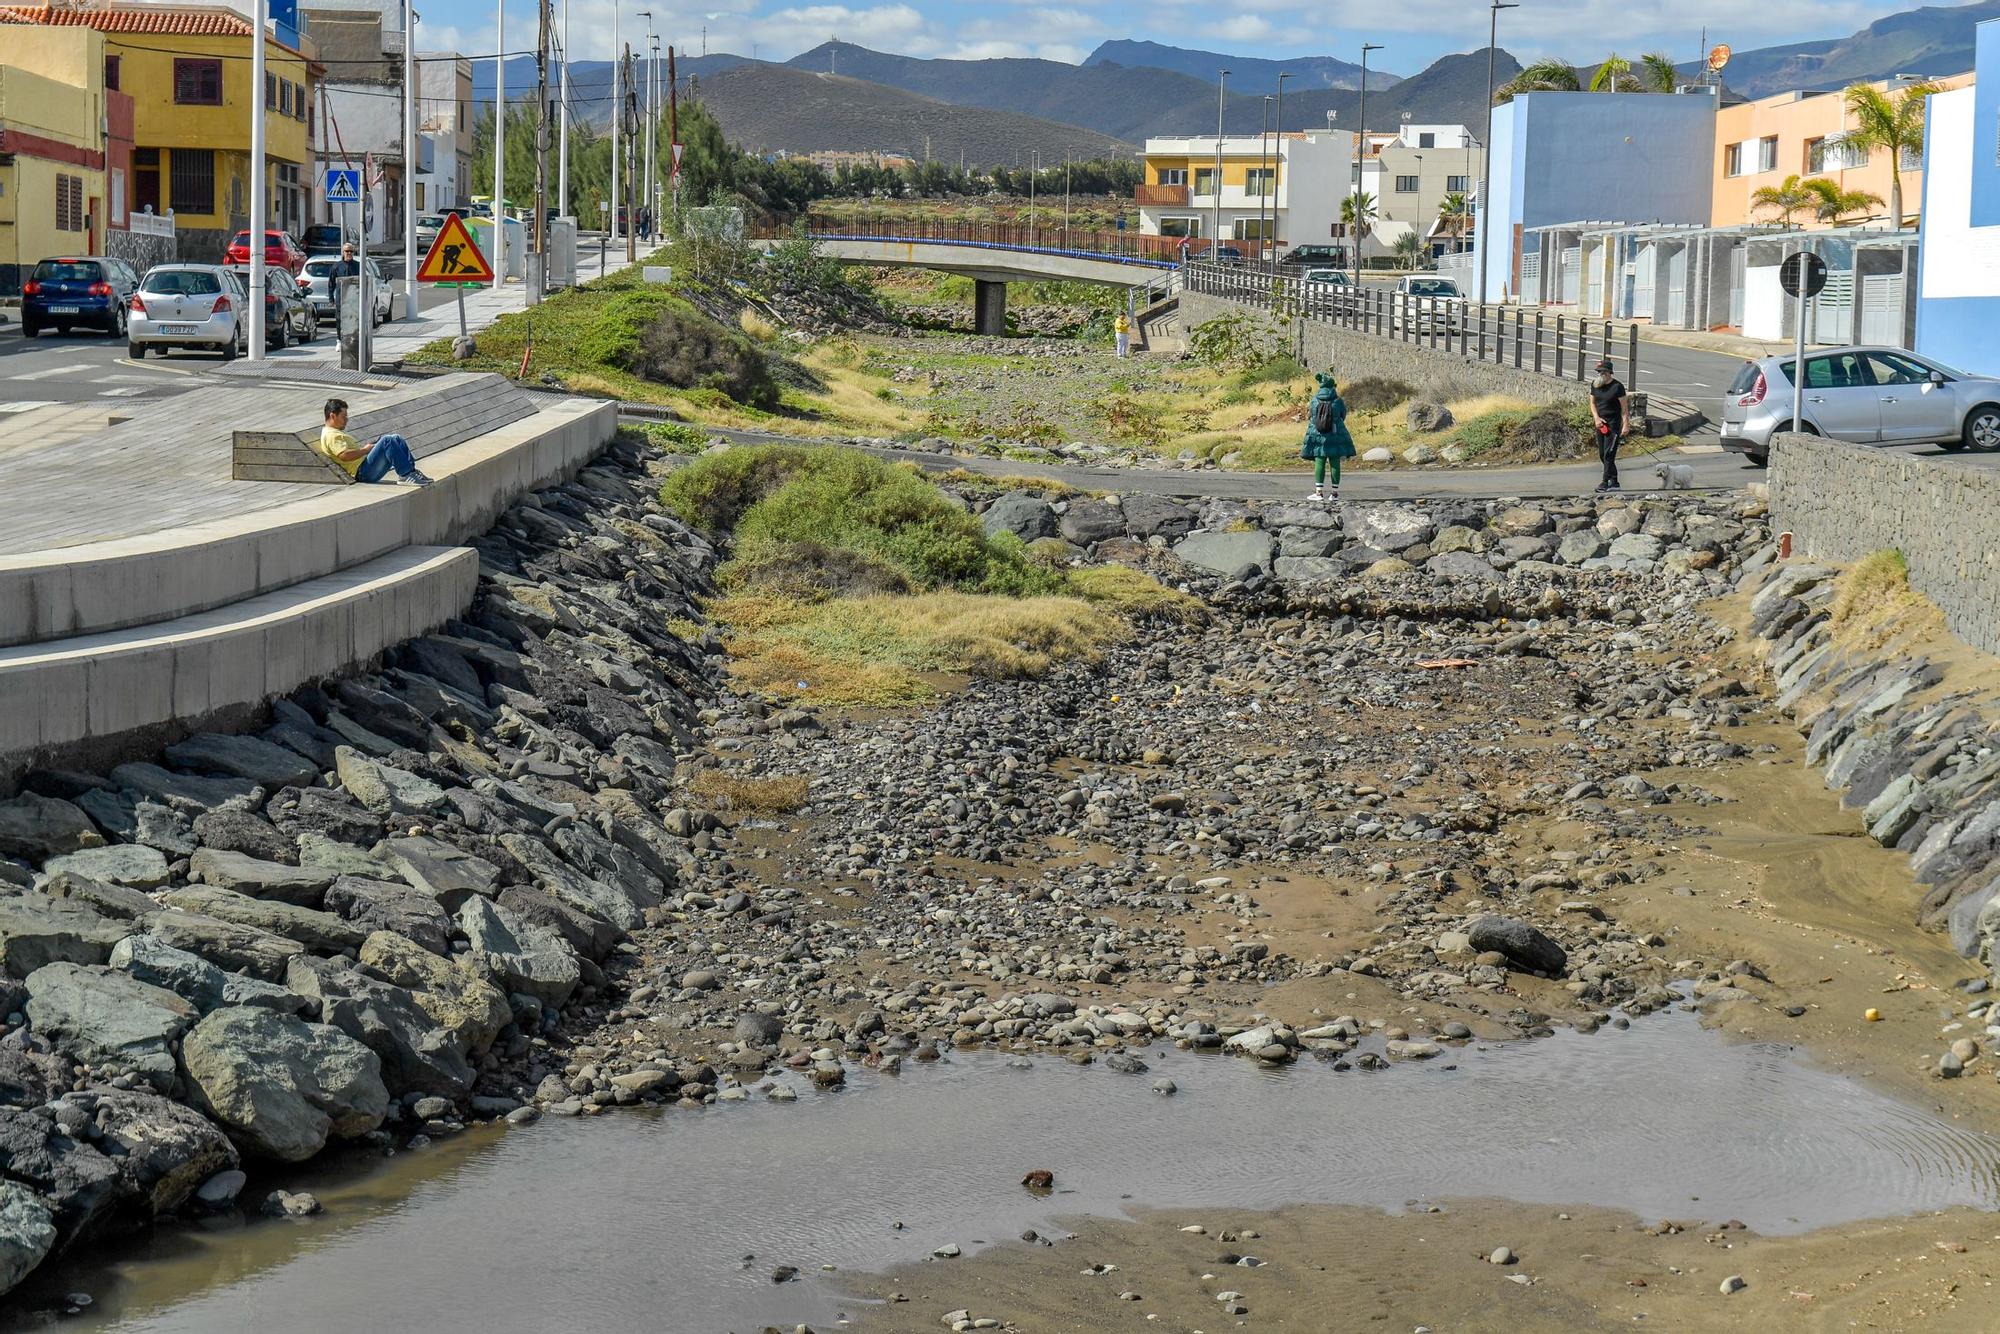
(1243, 28)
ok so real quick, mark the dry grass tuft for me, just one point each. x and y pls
(780, 795)
(1877, 582)
(1137, 594)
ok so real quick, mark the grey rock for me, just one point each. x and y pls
(1461, 565)
(114, 901)
(242, 757)
(231, 946)
(325, 814)
(417, 1054)
(556, 876)
(448, 874)
(1021, 514)
(454, 992)
(120, 864)
(378, 905)
(587, 933)
(302, 886)
(1580, 546)
(182, 791)
(1225, 553)
(1302, 541)
(163, 1151)
(1089, 521)
(36, 931)
(27, 1233)
(1150, 516)
(37, 828)
(519, 955)
(1525, 946)
(383, 788)
(230, 830)
(220, 1191)
(110, 1020)
(759, 1029)
(30, 1078)
(196, 980)
(1309, 569)
(312, 928)
(77, 1184)
(1636, 546)
(1427, 415)
(344, 859)
(281, 1086)
(1387, 527)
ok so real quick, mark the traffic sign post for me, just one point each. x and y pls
(343, 185)
(454, 259)
(1803, 276)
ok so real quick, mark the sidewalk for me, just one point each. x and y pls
(483, 305)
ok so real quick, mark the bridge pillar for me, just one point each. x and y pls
(989, 307)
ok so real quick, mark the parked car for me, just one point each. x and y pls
(192, 306)
(92, 291)
(1331, 277)
(288, 317)
(1430, 303)
(1228, 254)
(1866, 395)
(317, 275)
(323, 238)
(280, 251)
(1315, 256)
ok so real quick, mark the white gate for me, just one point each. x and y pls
(1832, 311)
(1677, 273)
(1882, 310)
(1531, 278)
(1739, 257)
(1566, 279)
(1644, 267)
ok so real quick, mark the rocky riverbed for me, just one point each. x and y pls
(1426, 775)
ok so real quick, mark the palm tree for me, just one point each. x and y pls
(1894, 125)
(1659, 75)
(1544, 76)
(1793, 197)
(1411, 249)
(1363, 205)
(1830, 203)
(1455, 216)
(1613, 76)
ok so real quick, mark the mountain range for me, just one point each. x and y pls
(839, 95)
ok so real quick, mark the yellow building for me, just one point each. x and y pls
(187, 69)
(54, 129)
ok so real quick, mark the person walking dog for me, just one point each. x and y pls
(1608, 410)
(1327, 441)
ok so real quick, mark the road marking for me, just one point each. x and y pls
(26, 405)
(123, 391)
(54, 371)
(165, 370)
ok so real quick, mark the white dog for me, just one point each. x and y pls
(1675, 476)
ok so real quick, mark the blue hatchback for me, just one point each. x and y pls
(93, 292)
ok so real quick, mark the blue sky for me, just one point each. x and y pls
(1415, 32)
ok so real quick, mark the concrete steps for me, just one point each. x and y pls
(122, 687)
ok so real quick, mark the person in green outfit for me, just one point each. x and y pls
(1327, 440)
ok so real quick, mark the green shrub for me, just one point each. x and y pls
(674, 437)
(1235, 340)
(790, 508)
(684, 349)
(1281, 369)
(1373, 393)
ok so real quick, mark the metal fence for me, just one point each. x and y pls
(1561, 346)
(1134, 247)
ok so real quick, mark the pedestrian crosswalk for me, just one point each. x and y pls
(101, 381)
(26, 405)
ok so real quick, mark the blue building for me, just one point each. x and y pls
(1595, 160)
(1958, 274)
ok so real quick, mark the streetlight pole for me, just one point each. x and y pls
(1034, 170)
(1278, 163)
(653, 145)
(1215, 186)
(617, 124)
(410, 155)
(1263, 167)
(1480, 253)
(262, 16)
(1360, 155)
(645, 174)
(499, 147)
(562, 152)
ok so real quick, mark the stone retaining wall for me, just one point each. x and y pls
(1842, 501)
(1353, 355)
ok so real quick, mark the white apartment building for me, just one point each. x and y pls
(1285, 188)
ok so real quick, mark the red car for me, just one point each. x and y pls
(280, 251)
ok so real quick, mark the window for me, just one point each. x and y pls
(270, 91)
(298, 101)
(146, 180)
(1426, 140)
(1252, 229)
(1406, 185)
(1457, 185)
(1204, 180)
(1894, 368)
(1180, 226)
(1833, 153)
(198, 83)
(1767, 153)
(112, 71)
(1732, 160)
(284, 97)
(1173, 175)
(191, 185)
(69, 203)
(1260, 181)
(1912, 159)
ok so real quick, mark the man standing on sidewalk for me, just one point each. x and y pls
(1608, 405)
(347, 266)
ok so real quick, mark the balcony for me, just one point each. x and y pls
(1160, 196)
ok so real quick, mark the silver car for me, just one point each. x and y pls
(317, 278)
(1429, 303)
(1867, 395)
(198, 306)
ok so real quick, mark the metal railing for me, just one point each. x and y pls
(1123, 247)
(1562, 346)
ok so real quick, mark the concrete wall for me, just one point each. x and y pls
(1843, 501)
(1352, 355)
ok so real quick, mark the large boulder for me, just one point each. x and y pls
(76, 1182)
(451, 991)
(242, 757)
(1388, 527)
(518, 955)
(588, 934)
(383, 788)
(109, 1020)
(1156, 516)
(186, 792)
(329, 813)
(36, 930)
(448, 874)
(321, 931)
(232, 830)
(379, 905)
(303, 886)
(1088, 521)
(1226, 554)
(417, 1054)
(107, 900)
(161, 1150)
(131, 864)
(1461, 565)
(614, 903)
(1427, 415)
(228, 945)
(281, 1086)
(27, 1233)
(1021, 514)
(30, 1078)
(196, 980)
(1525, 946)
(37, 828)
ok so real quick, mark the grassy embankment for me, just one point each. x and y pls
(853, 582)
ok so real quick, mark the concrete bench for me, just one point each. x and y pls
(432, 416)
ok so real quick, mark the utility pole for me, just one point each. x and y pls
(500, 149)
(674, 132)
(1278, 166)
(411, 153)
(631, 201)
(540, 287)
(1263, 165)
(1481, 253)
(262, 16)
(617, 138)
(325, 153)
(653, 133)
(1360, 158)
(562, 154)
(1215, 186)
(644, 174)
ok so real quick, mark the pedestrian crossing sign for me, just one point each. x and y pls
(343, 185)
(454, 257)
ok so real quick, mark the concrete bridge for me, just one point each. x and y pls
(995, 256)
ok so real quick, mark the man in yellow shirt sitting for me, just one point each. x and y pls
(366, 463)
